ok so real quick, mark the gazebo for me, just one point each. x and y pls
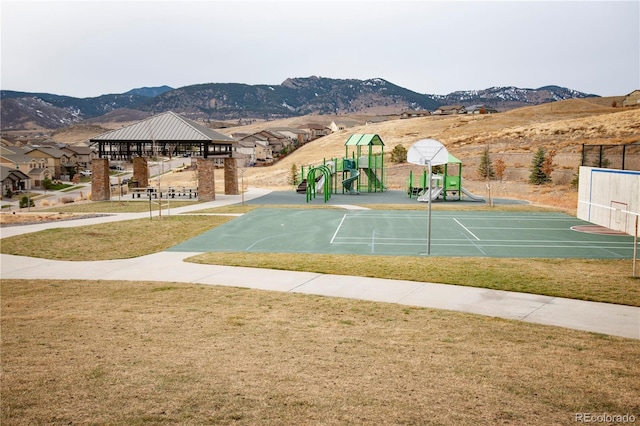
(164, 134)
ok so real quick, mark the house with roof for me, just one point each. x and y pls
(58, 162)
(315, 130)
(13, 181)
(632, 99)
(16, 158)
(414, 114)
(450, 110)
(276, 142)
(481, 109)
(258, 147)
(81, 155)
(297, 136)
(342, 124)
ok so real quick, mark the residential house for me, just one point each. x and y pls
(450, 110)
(414, 114)
(245, 153)
(263, 152)
(381, 118)
(343, 124)
(632, 99)
(255, 150)
(13, 181)
(481, 109)
(276, 141)
(315, 130)
(16, 158)
(297, 136)
(54, 159)
(81, 155)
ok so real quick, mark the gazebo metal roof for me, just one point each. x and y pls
(167, 126)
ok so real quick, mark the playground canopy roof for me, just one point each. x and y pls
(453, 159)
(364, 140)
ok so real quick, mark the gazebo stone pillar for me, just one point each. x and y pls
(230, 176)
(206, 179)
(100, 185)
(140, 172)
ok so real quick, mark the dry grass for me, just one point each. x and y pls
(163, 353)
(158, 353)
(513, 136)
(607, 281)
(121, 240)
(598, 280)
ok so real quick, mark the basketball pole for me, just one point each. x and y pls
(635, 249)
(429, 215)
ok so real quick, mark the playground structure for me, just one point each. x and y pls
(446, 183)
(359, 171)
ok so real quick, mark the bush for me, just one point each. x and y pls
(26, 202)
(399, 154)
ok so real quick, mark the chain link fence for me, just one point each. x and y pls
(622, 157)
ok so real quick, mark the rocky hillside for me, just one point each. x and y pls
(295, 97)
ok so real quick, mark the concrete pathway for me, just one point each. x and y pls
(596, 317)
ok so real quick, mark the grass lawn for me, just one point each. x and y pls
(595, 280)
(102, 352)
(124, 206)
(97, 352)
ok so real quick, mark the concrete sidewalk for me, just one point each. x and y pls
(603, 318)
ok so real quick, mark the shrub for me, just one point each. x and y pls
(501, 166)
(26, 202)
(399, 154)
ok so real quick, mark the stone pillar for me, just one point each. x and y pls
(230, 176)
(206, 179)
(100, 185)
(140, 172)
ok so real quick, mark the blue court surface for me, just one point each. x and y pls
(406, 233)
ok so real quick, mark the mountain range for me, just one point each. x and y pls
(235, 101)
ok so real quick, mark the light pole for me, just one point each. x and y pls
(242, 184)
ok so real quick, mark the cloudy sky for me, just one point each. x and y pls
(86, 48)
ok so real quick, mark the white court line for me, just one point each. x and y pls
(366, 240)
(485, 245)
(365, 215)
(337, 229)
(466, 229)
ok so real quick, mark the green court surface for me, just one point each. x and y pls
(405, 233)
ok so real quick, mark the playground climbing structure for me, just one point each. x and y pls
(362, 170)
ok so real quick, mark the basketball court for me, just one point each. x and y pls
(406, 233)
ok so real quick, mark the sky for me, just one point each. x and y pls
(87, 48)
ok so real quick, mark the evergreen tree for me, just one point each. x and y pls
(485, 169)
(538, 176)
(293, 175)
